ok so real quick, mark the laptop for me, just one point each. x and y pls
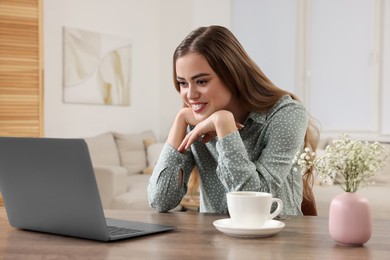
(48, 185)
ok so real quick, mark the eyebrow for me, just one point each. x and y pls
(196, 76)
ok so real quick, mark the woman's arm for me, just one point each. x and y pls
(282, 136)
(220, 124)
(168, 183)
(179, 127)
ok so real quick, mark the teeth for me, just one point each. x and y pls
(197, 106)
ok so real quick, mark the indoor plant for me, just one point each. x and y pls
(350, 164)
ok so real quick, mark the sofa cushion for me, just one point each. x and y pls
(136, 196)
(153, 153)
(132, 151)
(103, 150)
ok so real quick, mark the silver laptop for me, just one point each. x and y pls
(48, 185)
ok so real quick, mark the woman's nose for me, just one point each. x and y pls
(192, 92)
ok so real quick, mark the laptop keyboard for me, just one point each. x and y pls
(117, 231)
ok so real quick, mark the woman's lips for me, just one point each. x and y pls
(198, 107)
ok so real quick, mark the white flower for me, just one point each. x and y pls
(347, 162)
(304, 160)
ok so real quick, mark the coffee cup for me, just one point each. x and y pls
(251, 209)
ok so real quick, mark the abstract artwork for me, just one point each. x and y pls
(97, 68)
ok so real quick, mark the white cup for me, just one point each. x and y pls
(251, 209)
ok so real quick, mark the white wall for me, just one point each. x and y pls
(385, 81)
(155, 28)
(136, 20)
(267, 31)
(339, 66)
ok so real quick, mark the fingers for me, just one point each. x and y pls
(239, 126)
(182, 146)
(195, 134)
(187, 141)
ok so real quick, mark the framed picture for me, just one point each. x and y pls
(96, 68)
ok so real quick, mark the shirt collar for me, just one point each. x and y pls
(260, 117)
(257, 117)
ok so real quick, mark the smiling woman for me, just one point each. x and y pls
(238, 129)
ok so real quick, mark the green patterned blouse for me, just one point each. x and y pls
(256, 158)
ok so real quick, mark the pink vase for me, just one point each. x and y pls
(350, 219)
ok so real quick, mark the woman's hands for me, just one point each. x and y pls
(220, 123)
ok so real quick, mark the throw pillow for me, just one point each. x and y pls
(102, 149)
(153, 153)
(131, 152)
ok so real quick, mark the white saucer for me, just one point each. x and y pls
(270, 228)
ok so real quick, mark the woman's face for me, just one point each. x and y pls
(201, 88)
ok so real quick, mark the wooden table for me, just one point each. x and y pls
(195, 238)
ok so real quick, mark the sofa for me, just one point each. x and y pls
(122, 164)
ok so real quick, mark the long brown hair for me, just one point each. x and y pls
(255, 92)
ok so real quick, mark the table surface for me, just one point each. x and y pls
(195, 237)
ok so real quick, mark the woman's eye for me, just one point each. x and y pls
(181, 84)
(201, 82)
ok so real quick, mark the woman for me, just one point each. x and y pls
(238, 129)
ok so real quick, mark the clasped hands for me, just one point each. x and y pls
(220, 123)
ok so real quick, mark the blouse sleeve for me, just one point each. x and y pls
(284, 136)
(235, 170)
(164, 190)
